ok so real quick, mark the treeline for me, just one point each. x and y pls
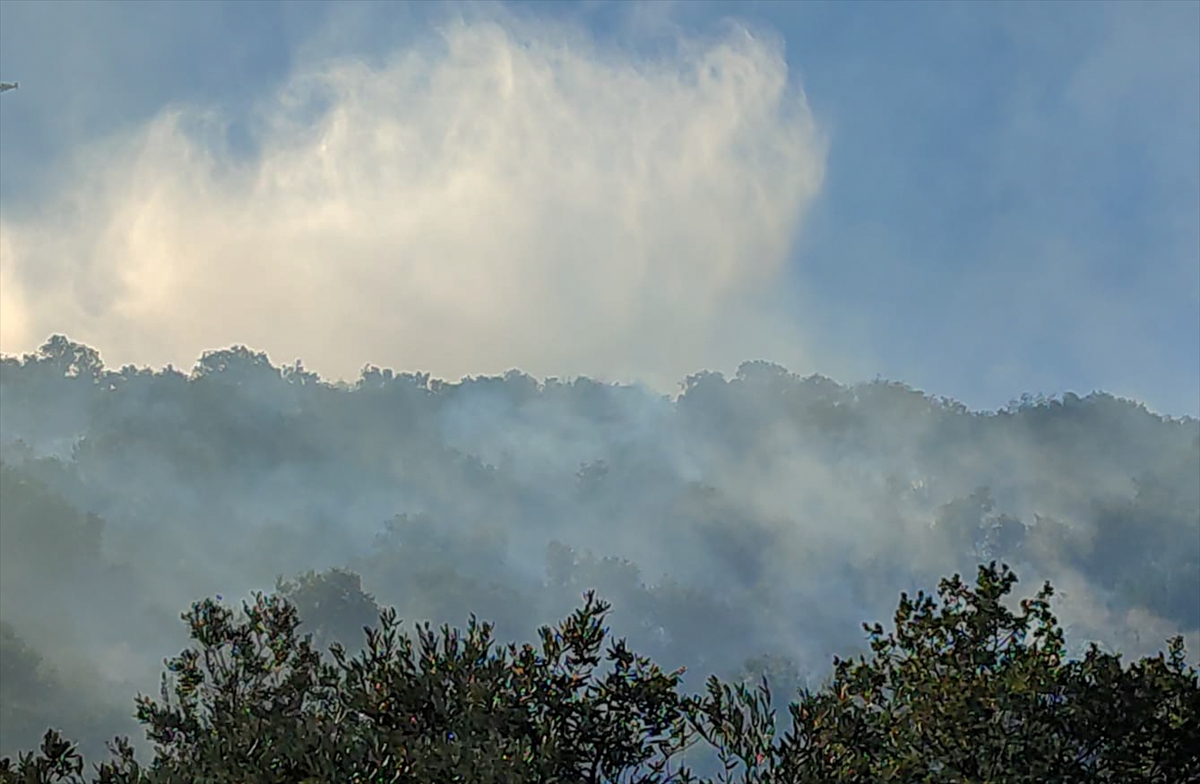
(739, 528)
(961, 689)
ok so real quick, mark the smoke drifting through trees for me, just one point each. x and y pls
(749, 524)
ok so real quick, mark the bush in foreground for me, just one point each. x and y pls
(961, 690)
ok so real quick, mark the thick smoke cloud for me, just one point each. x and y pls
(508, 194)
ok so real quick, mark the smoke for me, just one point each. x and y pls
(508, 193)
(503, 194)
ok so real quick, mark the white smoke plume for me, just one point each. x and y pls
(505, 194)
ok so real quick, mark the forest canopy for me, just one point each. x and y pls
(742, 527)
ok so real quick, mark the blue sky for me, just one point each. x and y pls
(978, 199)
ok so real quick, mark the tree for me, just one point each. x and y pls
(33, 695)
(333, 605)
(255, 703)
(962, 691)
(970, 691)
(39, 526)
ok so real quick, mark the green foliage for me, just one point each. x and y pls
(254, 703)
(969, 691)
(962, 689)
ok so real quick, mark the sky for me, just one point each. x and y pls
(980, 200)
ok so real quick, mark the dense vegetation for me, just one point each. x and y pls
(741, 529)
(961, 690)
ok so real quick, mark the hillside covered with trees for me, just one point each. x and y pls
(742, 528)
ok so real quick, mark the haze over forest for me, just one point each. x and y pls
(589, 296)
(745, 525)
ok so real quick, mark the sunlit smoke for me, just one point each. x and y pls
(490, 199)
